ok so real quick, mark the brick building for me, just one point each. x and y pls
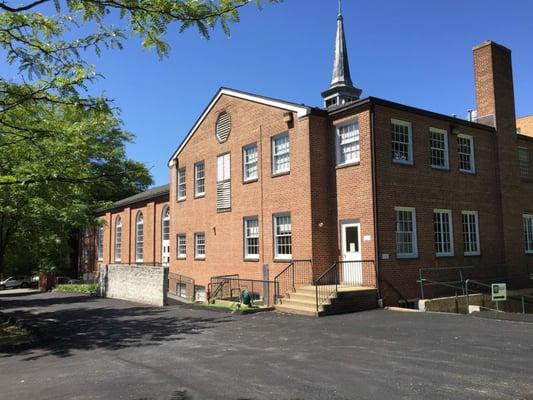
(134, 230)
(380, 190)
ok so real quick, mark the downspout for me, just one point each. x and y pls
(260, 169)
(375, 202)
(154, 241)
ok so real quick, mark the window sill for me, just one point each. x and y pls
(407, 258)
(245, 182)
(276, 174)
(352, 164)
(199, 196)
(283, 260)
(181, 258)
(444, 169)
(199, 258)
(180, 200)
(404, 163)
(462, 171)
(472, 254)
(444, 255)
(248, 259)
(225, 210)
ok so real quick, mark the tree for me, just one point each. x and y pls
(61, 150)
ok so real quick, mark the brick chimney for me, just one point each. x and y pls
(493, 72)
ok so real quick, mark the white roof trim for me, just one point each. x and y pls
(301, 111)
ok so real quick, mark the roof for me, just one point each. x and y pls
(150, 194)
(399, 106)
(300, 109)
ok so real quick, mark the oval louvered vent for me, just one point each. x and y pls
(223, 127)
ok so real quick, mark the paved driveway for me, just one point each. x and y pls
(109, 349)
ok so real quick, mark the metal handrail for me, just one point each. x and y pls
(288, 278)
(421, 278)
(335, 277)
(522, 297)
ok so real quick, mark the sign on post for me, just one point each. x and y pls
(499, 292)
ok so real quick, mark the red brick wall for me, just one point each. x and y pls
(251, 122)
(526, 125)
(152, 214)
(424, 188)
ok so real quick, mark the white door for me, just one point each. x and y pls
(351, 270)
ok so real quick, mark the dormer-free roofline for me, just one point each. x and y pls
(300, 110)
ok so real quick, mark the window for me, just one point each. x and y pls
(100, 243)
(199, 179)
(118, 239)
(402, 146)
(281, 159)
(224, 182)
(181, 290)
(406, 245)
(251, 238)
(199, 293)
(199, 245)
(181, 240)
(470, 233)
(348, 144)
(282, 236)
(249, 161)
(465, 150)
(523, 158)
(139, 237)
(182, 185)
(165, 224)
(438, 148)
(528, 233)
(442, 223)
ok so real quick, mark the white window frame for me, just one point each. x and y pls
(247, 165)
(199, 179)
(181, 181)
(198, 246)
(165, 220)
(414, 253)
(247, 235)
(276, 237)
(353, 141)
(528, 233)
(524, 165)
(181, 248)
(409, 126)
(118, 243)
(439, 212)
(100, 243)
(276, 153)
(468, 233)
(139, 237)
(472, 169)
(446, 157)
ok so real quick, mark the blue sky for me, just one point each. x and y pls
(417, 52)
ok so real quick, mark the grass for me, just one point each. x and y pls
(89, 288)
(12, 335)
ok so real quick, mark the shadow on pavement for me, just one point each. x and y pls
(62, 331)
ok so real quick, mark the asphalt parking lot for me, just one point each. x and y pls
(95, 348)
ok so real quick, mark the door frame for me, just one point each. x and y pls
(352, 222)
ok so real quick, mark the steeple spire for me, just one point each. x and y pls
(341, 89)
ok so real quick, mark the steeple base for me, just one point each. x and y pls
(337, 96)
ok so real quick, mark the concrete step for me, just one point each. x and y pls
(292, 309)
(301, 296)
(299, 303)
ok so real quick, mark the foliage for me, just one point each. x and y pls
(12, 335)
(61, 149)
(91, 289)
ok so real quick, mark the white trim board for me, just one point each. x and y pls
(301, 111)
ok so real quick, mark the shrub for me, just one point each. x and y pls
(90, 288)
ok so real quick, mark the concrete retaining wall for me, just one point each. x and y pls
(458, 304)
(142, 284)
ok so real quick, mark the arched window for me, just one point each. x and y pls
(100, 243)
(139, 237)
(118, 239)
(165, 236)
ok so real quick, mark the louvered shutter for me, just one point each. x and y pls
(223, 182)
(223, 127)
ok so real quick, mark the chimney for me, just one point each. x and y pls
(493, 72)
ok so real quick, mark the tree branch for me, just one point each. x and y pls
(26, 7)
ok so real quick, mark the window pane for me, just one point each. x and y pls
(401, 142)
(283, 236)
(251, 237)
(405, 233)
(250, 162)
(281, 153)
(348, 143)
(182, 188)
(199, 178)
(438, 149)
(352, 239)
(443, 232)
(523, 158)
(465, 150)
(200, 245)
